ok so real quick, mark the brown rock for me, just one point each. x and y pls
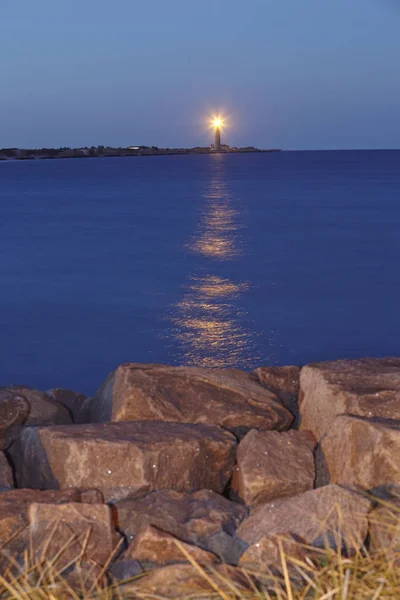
(14, 504)
(153, 546)
(43, 410)
(185, 581)
(267, 553)
(125, 459)
(83, 577)
(83, 530)
(124, 569)
(229, 398)
(284, 382)
(28, 496)
(6, 474)
(273, 465)
(77, 404)
(384, 530)
(204, 519)
(14, 411)
(91, 496)
(328, 515)
(364, 452)
(13, 532)
(366, 387)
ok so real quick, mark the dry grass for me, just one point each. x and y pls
(322, 575)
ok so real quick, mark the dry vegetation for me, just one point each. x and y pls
(321, 575)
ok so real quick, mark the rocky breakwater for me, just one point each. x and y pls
(165, 465)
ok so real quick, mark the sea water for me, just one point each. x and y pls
(210, 260)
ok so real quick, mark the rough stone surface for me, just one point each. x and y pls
(43, 410)
(384, 530)
(204, 519)
(153, 546)
(125, 459)
(13, 533)
(14, 411)
(77, 404)
(365, 387)
(284, 382)
(182, 580)
(28, 496)
(124, 569)
(89, 525)
(360, 451)
(273, 465)
(14, 504)
(330, 514)
(266, 553)
(6, 475)
(91, 496)
(230, 398)
(84, 575)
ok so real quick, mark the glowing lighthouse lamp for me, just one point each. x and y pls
(217, 124)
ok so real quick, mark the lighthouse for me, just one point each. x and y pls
(217, 143)
(217, 123)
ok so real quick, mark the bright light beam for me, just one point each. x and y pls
(217, 122)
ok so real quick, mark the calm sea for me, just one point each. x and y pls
(218, 260)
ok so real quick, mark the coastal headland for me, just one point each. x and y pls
(108, 151)
(167, 468)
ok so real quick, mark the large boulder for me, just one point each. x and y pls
(366, 387)
(155, 547)
(14, 411)
(330, 515)
(361, 451)
(65, 533)
(229, 398)
(204, 519)
(125, 459)
(43, 409)
(77, 404)
(273, 465)
(284, 382)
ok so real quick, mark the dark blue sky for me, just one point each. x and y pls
(292, 74)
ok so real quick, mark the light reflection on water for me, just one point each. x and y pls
(207, 320)
(217, 236)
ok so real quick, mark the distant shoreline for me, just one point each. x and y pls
(102, 152)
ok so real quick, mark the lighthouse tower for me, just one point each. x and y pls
(217, 143)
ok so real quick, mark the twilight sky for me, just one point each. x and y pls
(294, 74)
